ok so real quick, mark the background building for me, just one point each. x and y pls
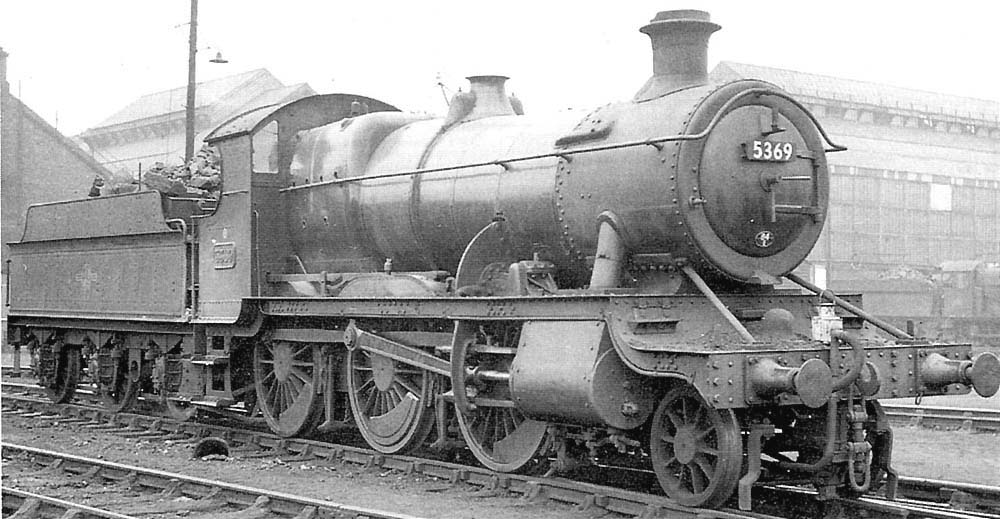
(37, 164)
(151, 129)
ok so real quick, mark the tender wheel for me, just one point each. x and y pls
(499, 435)
(389, 401)
(61, 384)
(287, 376)
(697, 452)
(122, 390)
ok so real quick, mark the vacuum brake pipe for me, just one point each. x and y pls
(840, 383)
(833, 298)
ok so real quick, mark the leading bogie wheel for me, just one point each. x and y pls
(696, 450)
(390, 401)
(287, 380)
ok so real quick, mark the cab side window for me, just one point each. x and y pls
(265, 149)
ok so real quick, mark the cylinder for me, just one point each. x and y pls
(568, 372)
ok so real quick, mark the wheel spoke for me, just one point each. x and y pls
(396, 395)
(369, 403)
(294, 387)
(704, 466)
(407, 386)
(299, 349)
(698, 480)
(368, 383)
(674, 419)
(284, 400)
(272, 394)
(301, 375)
(711, 451)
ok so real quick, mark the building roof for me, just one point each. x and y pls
(72, 146)
(169, 101)
(863, 92)
(131, 154)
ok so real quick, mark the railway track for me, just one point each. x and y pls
(924, 498)
(965, 419)
(211, 497)
(29, 504)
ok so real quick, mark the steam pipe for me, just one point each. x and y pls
(610, 255)
(835, 299)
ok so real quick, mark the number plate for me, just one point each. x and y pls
(224, 255)
(768, 151)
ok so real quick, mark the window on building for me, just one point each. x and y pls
(940, 197)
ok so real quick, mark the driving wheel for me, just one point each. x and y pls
(287, 377)
(390, 401)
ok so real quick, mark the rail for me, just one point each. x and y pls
(29, 504)
(958, 418)
(566, 154)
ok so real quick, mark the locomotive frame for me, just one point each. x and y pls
(678, 353)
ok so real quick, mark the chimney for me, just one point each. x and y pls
(680, 51)
(491, 97)
(486, 98)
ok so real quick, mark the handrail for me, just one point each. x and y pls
(564, 154)
(189, 276)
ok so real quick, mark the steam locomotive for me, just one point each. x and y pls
(542, 291)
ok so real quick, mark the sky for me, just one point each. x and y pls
(78, 62)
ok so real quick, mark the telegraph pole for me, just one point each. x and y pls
(189, 110)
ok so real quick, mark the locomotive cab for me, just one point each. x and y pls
(247, 236)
